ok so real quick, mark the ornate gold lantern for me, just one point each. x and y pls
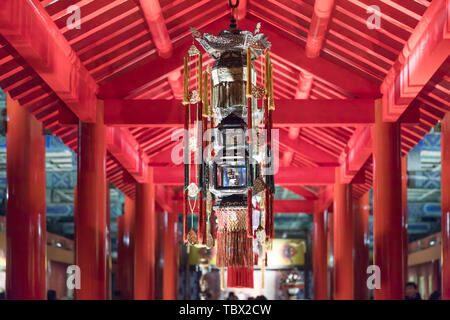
(227, 149)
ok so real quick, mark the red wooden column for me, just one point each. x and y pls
(144, 245)
(445, 198)
(387, 207)
(361, 222)
(404, 162)
(320, 254)
(343, 240)
(170, 283)
(128, 234)
(25, 213)
(90, 228)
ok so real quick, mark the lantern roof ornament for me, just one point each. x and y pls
(234, 40)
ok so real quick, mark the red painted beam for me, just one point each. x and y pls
(155, 21)
(427, 49)
(165, 197)
(124, 147)
(359, 146)
(293, 206)
(302, 191)
(289, 113)
(136, 81)
(303, 90)
(242, 9)
(307, 149)
(325, 200)
(307, 176)
(30, 30)
(318, 27)
(293, 176)
(358, 151)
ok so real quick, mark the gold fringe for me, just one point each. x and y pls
(266, 71)
(222, 279)
(205, 96)
(200, 74)
(186, 81)
(249, 73)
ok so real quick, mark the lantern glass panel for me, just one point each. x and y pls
(230, 177)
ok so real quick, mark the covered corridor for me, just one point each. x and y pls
(92, 110)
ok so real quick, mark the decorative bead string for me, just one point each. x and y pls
(192, 207)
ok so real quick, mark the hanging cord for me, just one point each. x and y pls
(234, 16)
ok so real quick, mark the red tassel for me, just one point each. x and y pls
(185, 216)
(213, 224)
(240, 277)
(249, 214)
(230, 277)
(272, 217)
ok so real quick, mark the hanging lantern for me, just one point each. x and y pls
(226, 182)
